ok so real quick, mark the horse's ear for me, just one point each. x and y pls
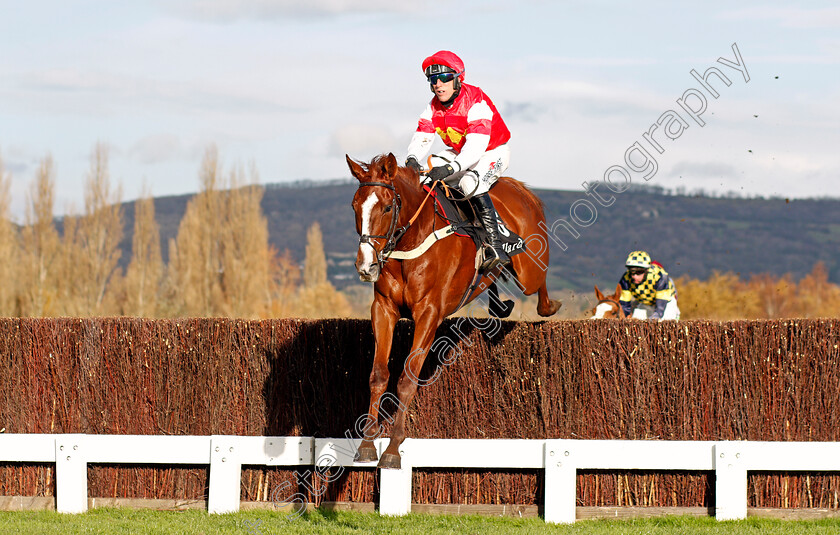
(390, 165)
(355, 168)
(598, 293)
(617, 290)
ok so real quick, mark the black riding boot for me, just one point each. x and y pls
(494, 254)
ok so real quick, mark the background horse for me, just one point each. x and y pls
(608, 305)
(392, 212)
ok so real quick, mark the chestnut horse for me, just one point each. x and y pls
(392, 214)
(608, 305)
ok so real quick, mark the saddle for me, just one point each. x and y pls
(460, 215)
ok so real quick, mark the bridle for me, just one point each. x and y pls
(394, 233)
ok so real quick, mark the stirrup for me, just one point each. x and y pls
(489, 263)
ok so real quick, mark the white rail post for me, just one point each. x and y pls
(70, 474)
(730, 481)
(225, 475)
(395, 485)
(560, 482)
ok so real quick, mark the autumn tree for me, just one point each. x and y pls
(318, 298)
(39, 246)
(9, 250)
(221, 262)
(816, 296)
(91, 242)
(194, 257)
(143, 277)
(724, 296)
(246, 256)
(286, 276)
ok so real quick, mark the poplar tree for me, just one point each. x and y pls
(195, 259)
(9, 249)
(39, 246)
(318, 298)
(95, 244)
(143, 277)
(246, 279)
(221, 263)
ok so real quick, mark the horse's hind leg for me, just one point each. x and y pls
(545, 305)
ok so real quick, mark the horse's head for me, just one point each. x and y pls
(377, 207)
(608, 305)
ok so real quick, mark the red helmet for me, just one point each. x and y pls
(443, 61)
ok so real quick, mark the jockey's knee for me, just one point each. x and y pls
(470, 185)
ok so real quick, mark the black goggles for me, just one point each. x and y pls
(637, 271)
(443, 77)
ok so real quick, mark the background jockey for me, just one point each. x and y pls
(646, 289)
(476, 136)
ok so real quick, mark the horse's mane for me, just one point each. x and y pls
(525, 191)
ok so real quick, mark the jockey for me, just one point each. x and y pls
(646, 289)
(471, 127)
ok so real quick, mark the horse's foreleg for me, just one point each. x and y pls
(424, 333)
(384, 319)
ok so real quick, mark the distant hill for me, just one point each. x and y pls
(689, 235)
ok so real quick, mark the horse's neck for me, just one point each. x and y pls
(412, 200)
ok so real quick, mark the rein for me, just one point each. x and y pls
(394, 234)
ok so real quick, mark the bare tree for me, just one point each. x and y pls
(39, 246)
(318, 298)
(92, 243)
(9, 249)
(246, 255)
(142, 283)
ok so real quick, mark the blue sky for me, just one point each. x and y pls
(291, 87)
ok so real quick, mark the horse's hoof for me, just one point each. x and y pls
(365, 454)
(390, 460)
(553, 307)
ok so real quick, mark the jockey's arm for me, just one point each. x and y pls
(659, 309)
(663, 295)
(625, 298)
(479, 119)
(421, 141)
(474, 148)
(421, 144)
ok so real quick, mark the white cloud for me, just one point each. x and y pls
(360, 141)
(791, 17)
(156, 148)
(231, 10)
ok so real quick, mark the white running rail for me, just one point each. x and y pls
(560, 459)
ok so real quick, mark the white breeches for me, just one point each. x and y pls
(478, 179)
(642, 311)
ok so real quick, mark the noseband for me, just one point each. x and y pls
(394, 233)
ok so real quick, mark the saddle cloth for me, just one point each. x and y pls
(460, 215)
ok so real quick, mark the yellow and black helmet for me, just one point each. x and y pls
(638, 259)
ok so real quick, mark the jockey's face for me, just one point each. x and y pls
(444, 90)
(637, 275)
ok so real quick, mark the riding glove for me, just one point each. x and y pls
(414, 164)
(440, 172)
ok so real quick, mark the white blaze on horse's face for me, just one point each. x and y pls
(366, 263)
(601, 311)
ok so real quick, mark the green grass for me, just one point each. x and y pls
(125, 521)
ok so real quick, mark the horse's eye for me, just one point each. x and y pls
(387, 209)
